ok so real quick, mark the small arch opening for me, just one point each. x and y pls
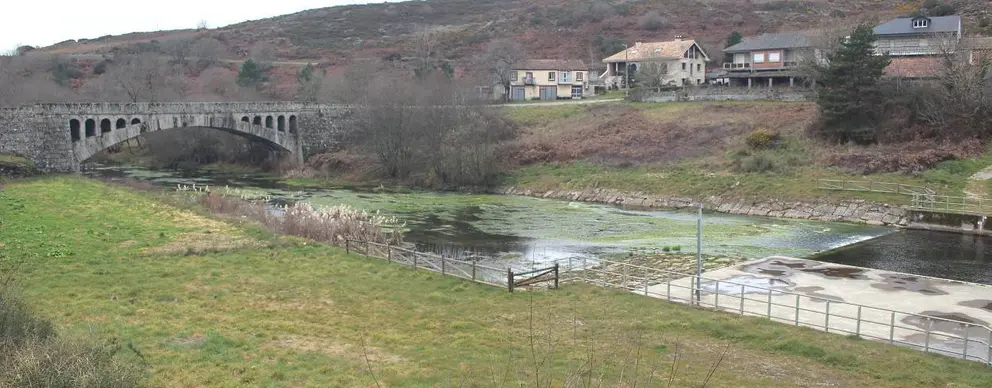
(105, 126)
(292, 124)
(135, 121)
(257, 121)
(282, 123)
(90, 127)
(121, 123)
(268, 121)
(245, 119)
(74, 129)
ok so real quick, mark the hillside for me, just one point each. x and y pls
(555, 29)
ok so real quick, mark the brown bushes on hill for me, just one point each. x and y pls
(909, 157)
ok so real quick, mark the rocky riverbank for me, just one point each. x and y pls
(854, 211)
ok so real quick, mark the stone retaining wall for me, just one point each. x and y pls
(854, 211)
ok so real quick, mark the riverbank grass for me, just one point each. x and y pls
(263, 310)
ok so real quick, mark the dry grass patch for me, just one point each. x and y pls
(203, 242)
(336, 349)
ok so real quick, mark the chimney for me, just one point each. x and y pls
(679, 37)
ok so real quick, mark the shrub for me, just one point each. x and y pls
(943, 10)
(100, 67)
(652, 21)
(33, 355)
(761, 139)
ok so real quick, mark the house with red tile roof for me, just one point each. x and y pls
(683, 61)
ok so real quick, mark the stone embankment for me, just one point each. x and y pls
(854, 211)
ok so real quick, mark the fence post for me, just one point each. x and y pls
(585, 278)
(926, 344)
(625, 268)
(692, 291)
(670, 299)
(892, 328)
(509, 279)
(857, 331)
(964, 353)
(826, 318)
(416, 256)
(366, 248)
(988, 355)
(556, 276)
(442, 265)
(716, 296)
(769, 303)
(473, 270)
(797, 310)
(347, 246)
(742, 299)
(389, 253)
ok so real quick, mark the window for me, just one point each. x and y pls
(759, 58)
(683, 66)
(774, 57)
(578, 76)
(699, 67)
(513, 76)
(551, 76)
(566, 77)
(529, 75)
(921, 23)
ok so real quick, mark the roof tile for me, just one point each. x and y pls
(652, 50)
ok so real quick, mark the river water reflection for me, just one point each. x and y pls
(540, 229)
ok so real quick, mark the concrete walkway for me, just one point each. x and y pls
(879, 305)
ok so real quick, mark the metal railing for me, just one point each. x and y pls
(873, 187)
(945, 203)
(964, 340)
(465, 269)
(736, 65)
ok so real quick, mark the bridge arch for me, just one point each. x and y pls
(121, 123)
(268, 122)
(293, 124)
(281, 122)
(105, 126)
(86, 147)
(90, 127)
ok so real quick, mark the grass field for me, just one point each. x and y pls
(697, 149)
(262, 310)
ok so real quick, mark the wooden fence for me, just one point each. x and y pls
(949, 204)
(466, 269)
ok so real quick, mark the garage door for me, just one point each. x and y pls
(517, 93)
(549, 92)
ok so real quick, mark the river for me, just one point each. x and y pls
(538, 229)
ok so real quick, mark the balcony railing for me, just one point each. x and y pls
(737, 66)
(529, 81)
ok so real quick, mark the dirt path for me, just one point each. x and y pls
(977, 186)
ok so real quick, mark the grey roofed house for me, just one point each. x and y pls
(920, 25)
(780, 40)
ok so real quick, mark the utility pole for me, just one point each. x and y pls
(626, 71)
(699, 254)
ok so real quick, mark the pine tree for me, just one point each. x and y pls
(734, 38)
(308, 83)
(850, 95)
(251, 74)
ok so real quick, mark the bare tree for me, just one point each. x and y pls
(208, 51)
(217, 83)
(653, 74)
(958, 104)
(499, 60)
(138, 78)
(25, 80)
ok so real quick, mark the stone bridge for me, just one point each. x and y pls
(60, 137)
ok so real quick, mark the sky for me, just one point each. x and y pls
(42, 23)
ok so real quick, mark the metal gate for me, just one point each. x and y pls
(549, 92)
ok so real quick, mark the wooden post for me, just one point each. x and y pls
(389, 253)
(556, 276)
(509, 279)
(415, 257)
(347, 246)
(367, 248)
(442, 265)
(473, 270)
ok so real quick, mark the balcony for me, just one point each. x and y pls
(529, 81)
(739, 66)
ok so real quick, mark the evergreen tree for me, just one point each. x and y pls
(251, 74)
(849, 94)
(734, 38)
(308, 83)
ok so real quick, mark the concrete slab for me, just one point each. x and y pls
(873, 304)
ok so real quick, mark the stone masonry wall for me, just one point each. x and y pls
(855, 211)
(325, 127)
